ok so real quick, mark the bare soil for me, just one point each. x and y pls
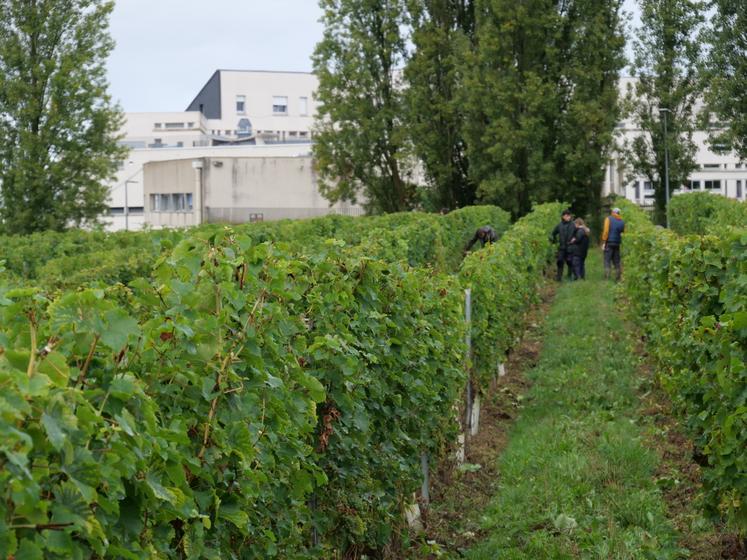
(680, 476)
(459, 496)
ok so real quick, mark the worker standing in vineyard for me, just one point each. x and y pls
(562, 235)
(614, 227)
(579, 248)
(485, 234)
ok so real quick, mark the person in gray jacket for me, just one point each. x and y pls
(485, 234)
(562, 235)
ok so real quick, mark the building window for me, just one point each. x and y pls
(737, 166)
(637, 190)
(714, 185)
(190, 125)
(174, 125)
(157, 125)
(241, 104)
(711, 166)
(180, 144)
(303, 106)
(174, 202)
(228, 133)
(279, 105)
(693, 185)
(303, 134)
(739, 189)
(258, 217)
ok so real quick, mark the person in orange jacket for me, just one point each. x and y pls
(614, 227)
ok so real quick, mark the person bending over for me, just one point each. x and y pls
(485, 234)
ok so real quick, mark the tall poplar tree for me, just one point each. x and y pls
(543, 100)
(360, 139)
(58, 125)
(512, 104)
(727, 73)
(443, 36)
(591, 52)
(666, 67)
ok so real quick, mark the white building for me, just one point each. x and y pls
(270, 111)
(235, 185)
(717, 173)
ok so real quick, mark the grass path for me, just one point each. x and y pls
(576, 479)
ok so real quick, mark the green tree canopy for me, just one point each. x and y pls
(360, 138)
(727, 64)
(542, 101)
(667, 57)
(443, 36)
(58, 125)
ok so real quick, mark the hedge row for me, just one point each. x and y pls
(76, 258)
(504, 279)
(234, 404)
(702, 212)
(690, 294)
(240, 401)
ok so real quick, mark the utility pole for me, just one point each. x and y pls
(127, 206)
(664, 111)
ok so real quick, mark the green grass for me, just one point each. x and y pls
(576, 478)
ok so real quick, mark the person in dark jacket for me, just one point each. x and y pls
(562, 235)
(614, 227)
(485, 234)
(579, 248)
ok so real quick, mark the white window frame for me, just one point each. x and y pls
(279, 102)
(242, 100)
(303, 106)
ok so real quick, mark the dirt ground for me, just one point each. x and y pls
(680, 476)
(459, 495)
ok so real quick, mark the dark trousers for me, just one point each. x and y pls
(579, 267)
(563, 259)
(612, 258)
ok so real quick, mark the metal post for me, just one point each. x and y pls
(127, 209)
(314, 530)
(468, 321)
(666, 162)
(425, 491)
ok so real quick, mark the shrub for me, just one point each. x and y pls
(689, 295)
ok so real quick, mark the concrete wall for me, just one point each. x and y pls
(238, 189)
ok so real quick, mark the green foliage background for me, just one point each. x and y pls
(244, 397)
(689, 294)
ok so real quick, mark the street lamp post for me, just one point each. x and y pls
(664, 111)
(127, 206)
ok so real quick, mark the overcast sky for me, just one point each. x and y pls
(167, 49)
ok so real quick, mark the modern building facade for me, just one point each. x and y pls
(234, 186)
(717, 173)
(270, 111)
(261, 114)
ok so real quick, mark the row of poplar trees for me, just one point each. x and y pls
(515, 102)
(499, 101)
